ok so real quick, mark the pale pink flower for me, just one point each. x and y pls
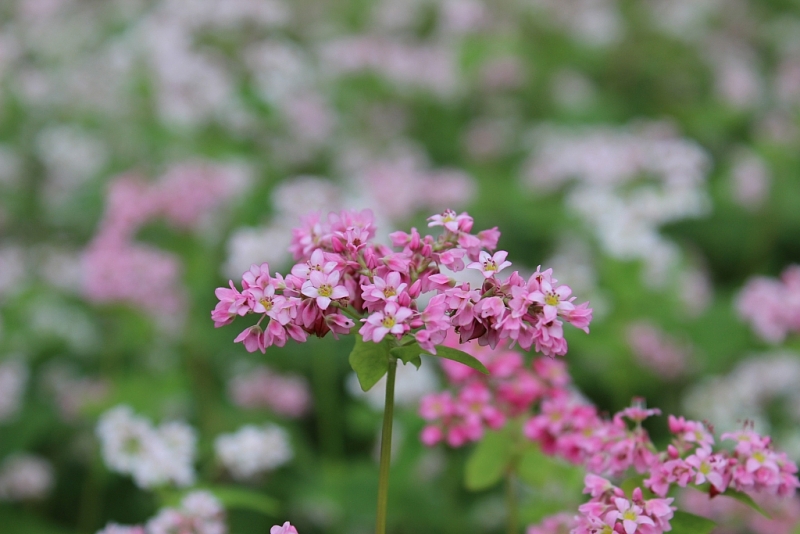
(324, 288)
(391, 320)
(286, 528)
(489, 265)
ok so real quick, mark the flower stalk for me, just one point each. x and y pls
(386, 449)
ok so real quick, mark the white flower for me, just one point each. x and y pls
(25, 477)
(253, 450)
(13, 377)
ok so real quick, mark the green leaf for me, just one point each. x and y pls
(746, 499)
(630, 484)
(686, 523)
(243, 499)
(408, 354)
(370, 361)
(537, 469)
(489, 461)
(460, 357)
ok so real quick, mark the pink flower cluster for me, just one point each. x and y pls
(341, 275)
(478, 402)
(116, 268)
(772, 307)
(610, 511)
(752, 467)
(286, 395)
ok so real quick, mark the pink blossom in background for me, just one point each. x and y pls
(738, 518)
(284, 394)
(114, 528)
(72, 392)
(309, 117)
(486, 139)
(750, 179)
(13, 381)
(430, 67)
(25, 477)
(503, 73)
(562, 523)
(772, 306)
(657, 350)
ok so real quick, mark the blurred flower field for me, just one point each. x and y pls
(151, 150)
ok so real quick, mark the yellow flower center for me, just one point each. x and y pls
(705, 468)
(388, 322)
(325, 290)
(630, 515)
(389, 292)
(551, 299)
(267, 303)
(759, 457)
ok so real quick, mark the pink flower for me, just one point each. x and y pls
(451, 221)
(389, 321)
(252, 338)
(324, 288)
(489, 265)
(286, 528)
(383, 289)
(631, 515)
(708, 467)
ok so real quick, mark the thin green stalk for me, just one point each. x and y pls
(386, 449)
(511, 504)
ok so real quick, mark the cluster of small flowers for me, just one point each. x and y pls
(284, 394)
(605, 162)
(25, 477)
(341, 272)
(609, 510)
(657, 350)
(199, 513)
(478, 402)
(13, 379)
(772, 307)
(116, 268)
(752, 467)
(253, 450)
(286, 528)
(153, 456)
(735, 517)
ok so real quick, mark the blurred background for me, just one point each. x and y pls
(648, 151)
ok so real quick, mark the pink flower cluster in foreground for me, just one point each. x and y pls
(564, 424)
(341, 275)
(772, 307)
(117, 268)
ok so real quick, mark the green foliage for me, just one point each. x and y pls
(370, 361)
(490, 460)
(686, 523)
(461, 357)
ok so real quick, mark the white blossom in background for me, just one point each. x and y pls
(13, 379)
(199, 513)
(736, 71)
(71, 157)
(153, 456)
(746, 393)
(658, 351)
(70, 391)
(628, 182)
(10, 166)
(25, 477)
(683, 19)
(592, 22)
(253, 450)
(13, 269)
(59, 267)
(750, 179)
(411, 384)
(114, 528)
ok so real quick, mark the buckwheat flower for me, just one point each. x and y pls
(199, 513)
(324, 288)
(285, 394)
(391, 320)
(489, 265)
(555, 524)
(25, 477)
(708, 467)
(451, 221)
(253, 450)
(632, 516)
(385, 290)
(286, 528)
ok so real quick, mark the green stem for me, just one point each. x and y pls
(511, 504)
(386, 449)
